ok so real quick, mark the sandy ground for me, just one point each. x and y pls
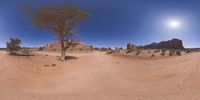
(97, 76)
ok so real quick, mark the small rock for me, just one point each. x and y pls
(53, 65)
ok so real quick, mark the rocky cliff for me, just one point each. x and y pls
(170, 44)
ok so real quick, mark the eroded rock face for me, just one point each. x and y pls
(56, 46)
(131, 46)
(170, 44)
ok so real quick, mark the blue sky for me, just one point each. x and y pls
(112, 22)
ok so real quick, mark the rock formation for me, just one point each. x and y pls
(56, 46)
(131, 46)
(170, 44)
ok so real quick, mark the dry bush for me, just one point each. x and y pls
(188, 51)
(110, 52)
(152, 55)
(138, 51)
(41, 48)
(178, 53)
(53, 65)
(171, 52)
(156, 51)
(163, 52)
(129, 51)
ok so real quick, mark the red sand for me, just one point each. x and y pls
(97, 76)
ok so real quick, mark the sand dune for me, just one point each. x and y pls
(97, 76)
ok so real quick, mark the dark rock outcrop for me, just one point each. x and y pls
(171, 44)
(131, 46)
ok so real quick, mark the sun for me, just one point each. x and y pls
(174, 24)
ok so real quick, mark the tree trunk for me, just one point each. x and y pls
(63, 54)
(63, 51)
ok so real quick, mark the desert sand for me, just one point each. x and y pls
(97, 76)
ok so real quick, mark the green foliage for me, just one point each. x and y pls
(13, 45)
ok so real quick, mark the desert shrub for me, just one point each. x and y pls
(110, 52)
(137, 52)
(103, 49)
(163, 52)
(96, 48)
(171, 52)
(120, 48)
(25, 51)
(40, 48)
(178, 53)
(156, 51)
(129, 51)
(53, 65)
(152, 55)
(188, 51)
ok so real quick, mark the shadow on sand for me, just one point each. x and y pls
(26, 55)
(70, 58)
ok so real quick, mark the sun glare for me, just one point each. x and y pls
(174, 24)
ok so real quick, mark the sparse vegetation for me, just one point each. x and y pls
(188, 51)
(53, 65)
(130, 50)
(178, 52)
(156, 51)
(13, 45)
(41, 48)
(137, 52)
(163, 52)
(110, 52)
(171, 52)
(152, 55)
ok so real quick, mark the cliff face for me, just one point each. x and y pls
(56, 46)
(171, 44)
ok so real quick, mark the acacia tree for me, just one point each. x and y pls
(60, 20)
(13, 45)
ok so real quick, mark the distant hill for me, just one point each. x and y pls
(2, 48)
(170, 44)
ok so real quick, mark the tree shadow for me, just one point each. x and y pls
(70, 58)
(26, 55)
